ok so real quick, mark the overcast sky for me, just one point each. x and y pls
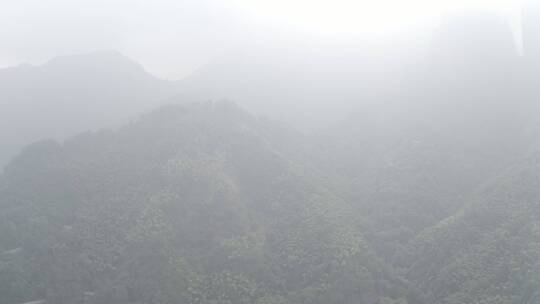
(171, 38)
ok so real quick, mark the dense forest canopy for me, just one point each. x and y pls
(422, 188)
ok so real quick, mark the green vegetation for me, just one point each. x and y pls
(205, 204)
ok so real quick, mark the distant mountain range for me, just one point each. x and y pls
(308, 85)
(72, 94)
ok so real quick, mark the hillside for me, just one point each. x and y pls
(194, 204)
(488, 252)
(203, 203)
(72, 94)
(395, 174)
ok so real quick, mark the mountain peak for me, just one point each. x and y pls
(70, 94)
(99, 60)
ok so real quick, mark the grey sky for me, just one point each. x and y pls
(171, 38)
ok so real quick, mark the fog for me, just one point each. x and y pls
(172, 39)
(269, 152)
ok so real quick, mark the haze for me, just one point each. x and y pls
(174, 38)
(269, 152)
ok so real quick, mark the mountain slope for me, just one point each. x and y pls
(195, 204)
(72, 94)
(489, 251)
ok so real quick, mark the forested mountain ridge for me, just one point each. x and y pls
(427, 193)
(488, 252)
(189, 204)
(204, 203)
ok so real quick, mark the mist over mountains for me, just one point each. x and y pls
(404, 173)
(72, 94)
(308, 84)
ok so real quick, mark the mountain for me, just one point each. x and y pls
(304, 83)
(297, 84)
(190, 204)
(204, 203)
(488, 252)
(72, 94)
(307, 84)
(424, 189)
(410, 162)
